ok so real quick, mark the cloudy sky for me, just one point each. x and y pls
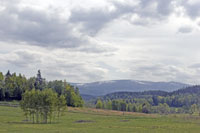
(95, 40)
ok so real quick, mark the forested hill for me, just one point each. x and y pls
(185, 100)
(192, 90)
(188, 90)
(131, 95)
(105, 87)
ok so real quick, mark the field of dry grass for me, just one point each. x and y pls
(109, 112)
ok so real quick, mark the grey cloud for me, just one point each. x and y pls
(192, 9)
(40, 28)
(185, 29)
(165, 7)
(197, 65)
(37, 28)
(93, 20)
(21, 58)
(155, 8)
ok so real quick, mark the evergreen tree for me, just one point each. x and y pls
(9, 86)
(39, 82)
(8, 74)
(115, 105)
(122, 106)
(134, 108)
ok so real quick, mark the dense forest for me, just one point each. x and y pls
(13, 86)
(185, 100)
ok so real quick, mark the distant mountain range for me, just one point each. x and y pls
(105, 87)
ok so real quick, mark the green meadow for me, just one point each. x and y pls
(84, 120)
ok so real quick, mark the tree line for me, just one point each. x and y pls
(185, 100)
(123, 105)
(12, 87)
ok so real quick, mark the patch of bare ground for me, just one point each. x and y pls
(84, 121)
(108, 112)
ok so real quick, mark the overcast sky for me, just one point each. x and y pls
(95, 40)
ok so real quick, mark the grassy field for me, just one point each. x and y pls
(100, 121)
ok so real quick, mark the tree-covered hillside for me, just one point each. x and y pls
(185, 100)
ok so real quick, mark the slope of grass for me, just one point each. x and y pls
(99, 121)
